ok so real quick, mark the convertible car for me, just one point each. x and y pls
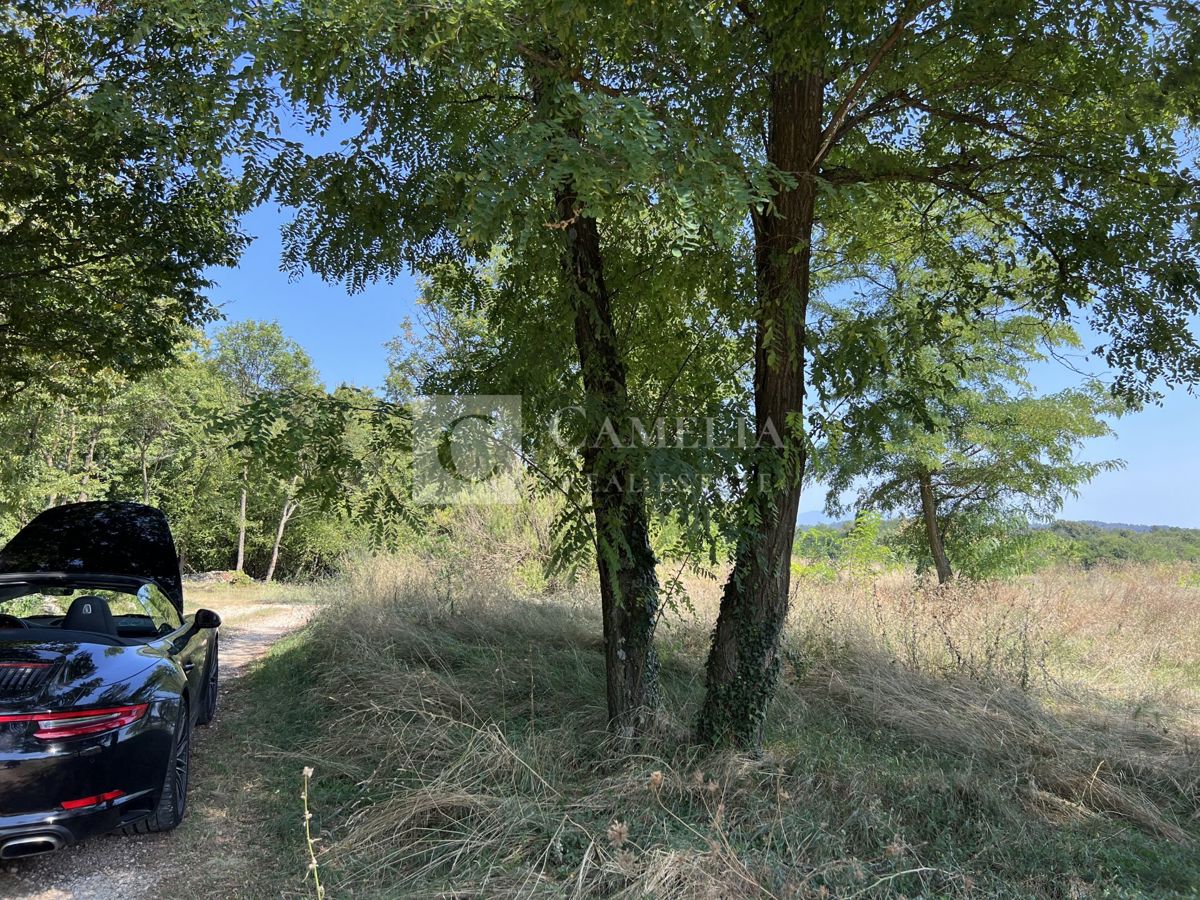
(102, 677)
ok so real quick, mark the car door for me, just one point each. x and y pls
(193, 655)
(189, 646)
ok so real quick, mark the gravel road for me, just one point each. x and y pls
(143, 867)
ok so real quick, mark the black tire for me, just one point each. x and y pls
(208, 703)
(172, 803)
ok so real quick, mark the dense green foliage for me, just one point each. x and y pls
(114, 198)
(173, 439)
(1090, 544)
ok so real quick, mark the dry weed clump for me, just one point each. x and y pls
(470, 735)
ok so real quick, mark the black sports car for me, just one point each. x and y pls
(102, 677)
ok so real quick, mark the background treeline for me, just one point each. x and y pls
(173, 438)
(1090, 544)
(869, 543)
(204, 438)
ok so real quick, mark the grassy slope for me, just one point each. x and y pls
(1025, 740)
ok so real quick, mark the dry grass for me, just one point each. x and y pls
(1084, 686)
(1012, 739)
(233, 596)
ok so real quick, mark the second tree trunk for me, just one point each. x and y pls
(933, 533)
(743, 661)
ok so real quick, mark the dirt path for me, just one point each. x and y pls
(143, 867)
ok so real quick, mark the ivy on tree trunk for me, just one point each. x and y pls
(743, 660)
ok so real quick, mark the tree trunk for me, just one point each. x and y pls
(241, 551)
(624, 558)
(70, 461)
(89, 462)
(35, 430)
(289, 507)
(145, 477)
(933, 533)
(52, 454)
(743, 662)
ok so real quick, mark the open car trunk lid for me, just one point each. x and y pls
(98, 538)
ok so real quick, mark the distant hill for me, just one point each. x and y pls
(1087, 542)
(1119, 526)
(817, 517)
(814, 517)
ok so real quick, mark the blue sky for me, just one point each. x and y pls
(345, 335)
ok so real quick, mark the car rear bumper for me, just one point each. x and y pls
(33, 833)
(41, 783)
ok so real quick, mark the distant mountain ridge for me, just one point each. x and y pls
(1124, 526)
(817, 517)
(814, 517)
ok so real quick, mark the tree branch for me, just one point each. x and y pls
(575, 75)
(831, 130)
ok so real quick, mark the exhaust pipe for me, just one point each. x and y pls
(30, 845)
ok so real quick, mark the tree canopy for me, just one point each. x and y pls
(114, 198)
(543, 164)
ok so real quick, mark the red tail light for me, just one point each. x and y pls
(92, 801)
(78, 722)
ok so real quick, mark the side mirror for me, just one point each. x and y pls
(206, 618)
